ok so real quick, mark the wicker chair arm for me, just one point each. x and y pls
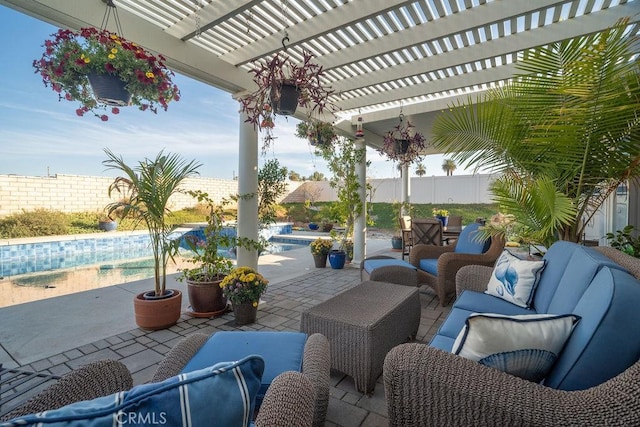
(179, 356)
(421, 251)
(96, 379)
(289, 401)
(426, 386)
(473, 278)
(316, 366)
(630, 263)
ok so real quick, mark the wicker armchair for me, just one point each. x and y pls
(316, 367)
(96, 379)
(425, 386)
(449, 262)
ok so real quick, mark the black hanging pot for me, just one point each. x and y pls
(109, 89)
(402, 146)
(284, 99)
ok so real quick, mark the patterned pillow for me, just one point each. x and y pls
(224, 392)
(514, 279)
(526, 346)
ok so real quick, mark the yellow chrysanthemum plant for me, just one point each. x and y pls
(321, 246)
(244, 285)
(71, 58)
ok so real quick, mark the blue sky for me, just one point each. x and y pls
(40, 135)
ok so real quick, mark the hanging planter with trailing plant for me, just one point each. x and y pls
(319, 134)
(403, 143)
(84, 66)
(282, 87)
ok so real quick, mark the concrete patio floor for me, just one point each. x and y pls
(59, 334)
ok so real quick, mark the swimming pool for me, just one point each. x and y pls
(41, 269)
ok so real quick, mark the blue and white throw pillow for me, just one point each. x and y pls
(526, 346)
(224, 392)
(514, 279)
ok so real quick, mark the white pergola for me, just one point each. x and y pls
(380, 56)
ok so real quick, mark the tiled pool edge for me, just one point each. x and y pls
(33, 255)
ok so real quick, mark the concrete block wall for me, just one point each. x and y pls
(76, 193)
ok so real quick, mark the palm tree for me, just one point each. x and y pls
(448, 166)
(421, 170)
(148, 188)
(569, 118)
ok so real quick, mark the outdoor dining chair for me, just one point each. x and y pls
(426, 231)
(407, 238)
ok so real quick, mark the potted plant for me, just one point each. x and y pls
(282, 86)
(442, 215)
(203, 281)
(106, 223)
(79, 65)
(148, 187)
(319, 134)
(243, 286)
(320, 250)
(403, 143)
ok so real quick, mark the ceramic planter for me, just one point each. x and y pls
(320, 260)
(245, 313)
(206, 298)
(108, 225)
(337, 259)
(155, 313)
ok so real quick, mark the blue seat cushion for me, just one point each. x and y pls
(485, 303)
(281, 351)
(468, 242)
(430, 265)
(443, 343)
(372, 264)
(225, 393)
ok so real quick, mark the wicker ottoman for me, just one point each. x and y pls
(383, 268)
(362, 325)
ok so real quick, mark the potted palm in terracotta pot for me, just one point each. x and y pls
(148, 188)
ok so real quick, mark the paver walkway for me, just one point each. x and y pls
(283, 303)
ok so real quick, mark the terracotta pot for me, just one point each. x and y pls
(245, 313)
(157, 313)
(320, 260)
(206, 297)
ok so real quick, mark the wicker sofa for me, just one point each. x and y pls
(292, 399)
(595, 381)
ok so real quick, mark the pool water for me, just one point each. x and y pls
(87, 271)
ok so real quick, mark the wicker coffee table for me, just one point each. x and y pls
(362, 325)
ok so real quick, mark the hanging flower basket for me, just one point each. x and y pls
(403, 144)
(73, 62)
